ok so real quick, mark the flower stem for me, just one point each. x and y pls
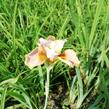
(47, 87)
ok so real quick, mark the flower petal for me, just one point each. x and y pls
(57, 45)
(46, 42)
(69, 57)
(35, 58)
(43, 42)
(52, 47)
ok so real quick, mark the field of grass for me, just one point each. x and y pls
(85, 25)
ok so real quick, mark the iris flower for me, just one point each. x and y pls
(50, 50)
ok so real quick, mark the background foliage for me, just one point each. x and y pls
(85, 25)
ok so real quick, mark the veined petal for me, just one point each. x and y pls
(69, 57)
(35, 58)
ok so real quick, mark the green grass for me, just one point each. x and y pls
(85, 25)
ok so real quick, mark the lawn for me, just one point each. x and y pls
(85, 26)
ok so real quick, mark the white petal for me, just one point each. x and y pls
(52, 47)
(43, 41)
(51, 54)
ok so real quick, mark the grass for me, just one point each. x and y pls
(85, 25)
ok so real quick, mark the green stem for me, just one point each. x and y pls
(47, 87)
